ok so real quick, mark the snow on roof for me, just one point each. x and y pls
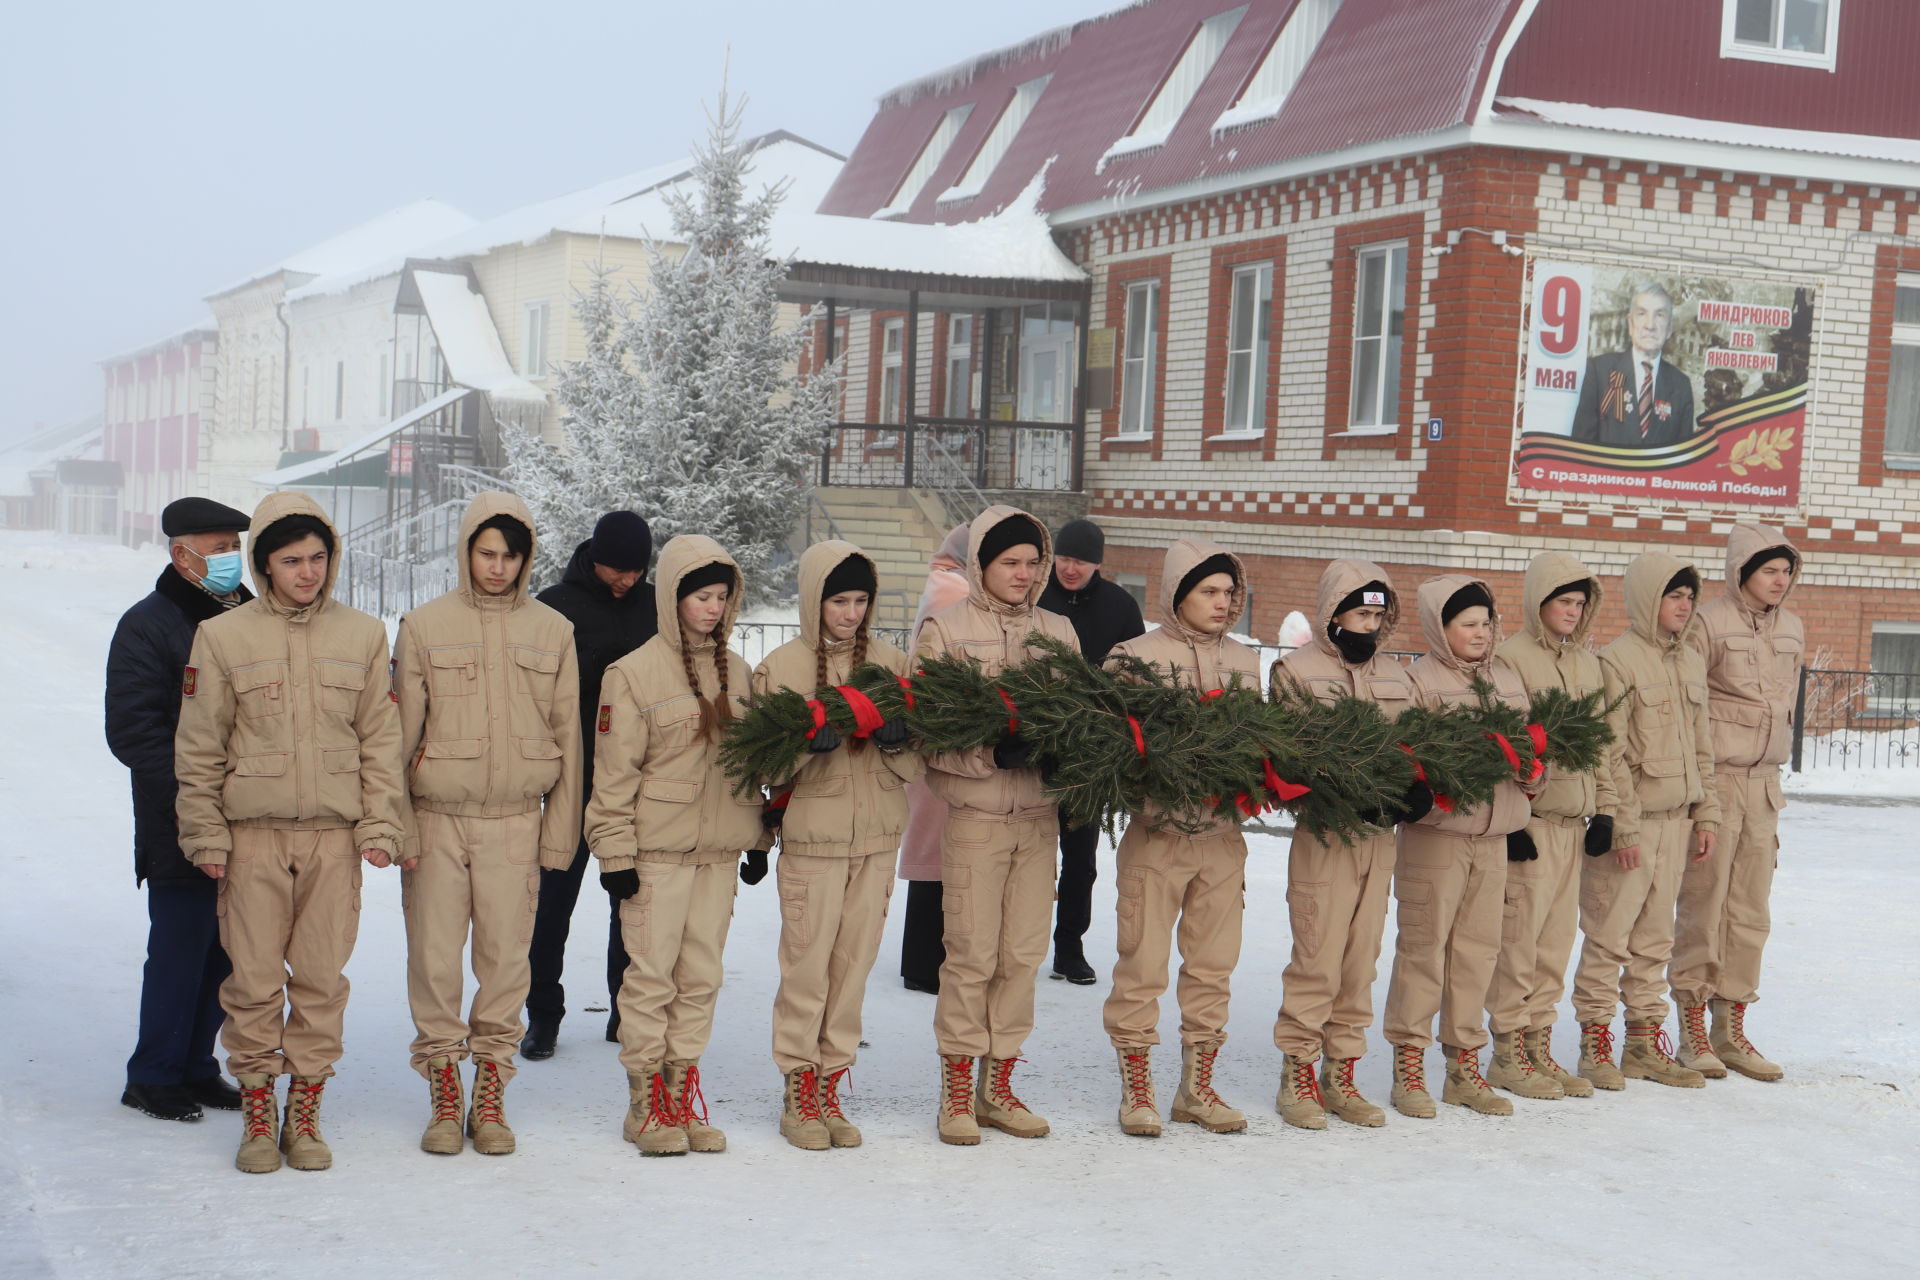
(464, 329)
(1656, 124)
(326, 462)
(962, 73)
(391, 237)
(1015, 244)
(205, 326)
(808, 172)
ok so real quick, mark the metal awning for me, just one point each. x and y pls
(378, 436)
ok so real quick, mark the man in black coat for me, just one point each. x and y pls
(172, 1073)
(606, 596)
(1102, 614)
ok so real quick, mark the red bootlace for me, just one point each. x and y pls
(693, 1103)
(661, 1112)
(959, 1086)
(1343, 1077)
(1000, 1087)
(1662, 1046)
(1544, 1058)
(303, 1101)
(1136, 1074)
(1411, 1062)
(1602, 1037)
(446, 1094)
(1305, 1084)
(808, 1103)
(830, 1093)
(1737, 1030)
(1203, 1076)
(487, 1090)
(1469, 1064)
(257, 1111)
(1693, 1024)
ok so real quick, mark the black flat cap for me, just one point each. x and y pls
(183, 516)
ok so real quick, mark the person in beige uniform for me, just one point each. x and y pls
(1169, 880)
(668, 829)
(1753, 645)
(1337, 892)
(288, 754)
(1450, 877)
(839, 820)
(1665, 811)
(1572, 815)
(490, 730)
(997, 856)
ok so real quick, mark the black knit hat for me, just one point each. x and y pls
(1582, 586)
(1202, 571)
(621, 540)
(1381, 597)
(1687, 577)
(1014, 531)
(855, 573)
(1761, 557)
(1465, 598)
(184, 516)
(707, 575)
(1080, 540)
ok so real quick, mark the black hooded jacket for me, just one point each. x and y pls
(1102, 614)
(145, 665)
(605, 630)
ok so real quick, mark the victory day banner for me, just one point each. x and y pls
(1669, 389)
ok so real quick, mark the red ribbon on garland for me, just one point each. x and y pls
(819, 710)
(1283, 790)
(1513, 757)
(906, 687)
(1139, 740)
(1211, 694)
(1537, 734)
(1247, 806)
(1013, 713)
(866, 716)
(1440, 802)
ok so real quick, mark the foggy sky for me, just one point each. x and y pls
(155, 153)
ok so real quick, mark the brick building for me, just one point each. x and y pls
(158, 400)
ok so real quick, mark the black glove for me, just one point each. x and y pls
(754, 869)
(893, 735)
(1599, 837)
(772, 816)
(1520, 846)
(1012, 753)
(1417, 803)
(620, 885)
(824, 739)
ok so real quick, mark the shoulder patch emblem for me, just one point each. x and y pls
(606, 715)
(190, 682)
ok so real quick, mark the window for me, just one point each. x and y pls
(960, 367)
(1903, 386)
(1135, 585)
(1379, 315)
(533, 339)
(988, 157)
(1266, 92)
(892, 402)
(1177, 90)
(1248, 327)
(929, 159)
(1137, 359)
(1800, 32)
(1896, 647)
(339, 390)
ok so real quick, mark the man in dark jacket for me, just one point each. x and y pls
(604, 593)
(172, 1073)
(1103, 615)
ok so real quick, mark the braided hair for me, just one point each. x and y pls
(820, 675)
(714, 712)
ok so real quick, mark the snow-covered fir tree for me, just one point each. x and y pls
(686, 408)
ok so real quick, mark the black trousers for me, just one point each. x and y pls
(180, 988)
(923, 947)
(1074, 911)
(547, 955)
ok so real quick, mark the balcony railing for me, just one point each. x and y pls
(943, 452)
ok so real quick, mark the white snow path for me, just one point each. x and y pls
(1811, 1176)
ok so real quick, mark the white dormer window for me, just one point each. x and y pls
(1273, 80)
(985, 160)
(1182, 83)
(1801, 33)
(928, 160)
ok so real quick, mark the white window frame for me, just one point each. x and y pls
(1281, 67)
(1173, 95)
(1772, 52)
(1906, 456)
(999, 138)
(1248, 365)
(1139, 360)
(534, 319)
(960, 368)
(1386, 397)
(926, 162)
(1883, 705)
(893, 345)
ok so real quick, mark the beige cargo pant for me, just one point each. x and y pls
(675, 929)
(483, 873)
(1724, 918)
(1536, 937)
(832, 912)
(1451, 892)
(1628, 919)
(997, 892)
(289, 909)
(1166, 881)
(1337, 902)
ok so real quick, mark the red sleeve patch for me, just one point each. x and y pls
(190, 682)
(606, 715)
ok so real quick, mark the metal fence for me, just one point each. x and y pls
(1857, 720)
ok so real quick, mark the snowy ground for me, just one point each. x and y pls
(1804, 1177)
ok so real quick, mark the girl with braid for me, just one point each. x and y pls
(839, 818)
(667, 827)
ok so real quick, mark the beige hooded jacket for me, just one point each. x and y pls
(1547, 662)
(1662, 756)
(845, 803)
(1318, 668)
(286, 722)
(659, 791)
(489, 700)
(995, 634)
(1753, 662)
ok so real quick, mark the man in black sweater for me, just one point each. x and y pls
(606, 596)
(1102, 614)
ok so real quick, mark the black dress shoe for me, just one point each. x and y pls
(161, 1101)
(1074, 969)
(213, 1092)
(930, 985)
(537, 1044)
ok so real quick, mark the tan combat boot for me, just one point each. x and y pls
(1197, 1102)
(1298, 1101)
(800, 1119)
(1539, 1046)
(1410, 1096)
(300, 1140)
(1696, 1045)
(1648, 1057)
(442, 1137)
(683, 1080)
(1342, 1097)
(1466, 1087)
(998, 1105)
(1596, 1056)
(653, 1122)
(1511, 1069)
(1139, 1115)
(1735, 1050)
(841, 1131)
(259, 1125)
(958, 1128)
(487, 1119)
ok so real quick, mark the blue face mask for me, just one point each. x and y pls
(223, 572)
